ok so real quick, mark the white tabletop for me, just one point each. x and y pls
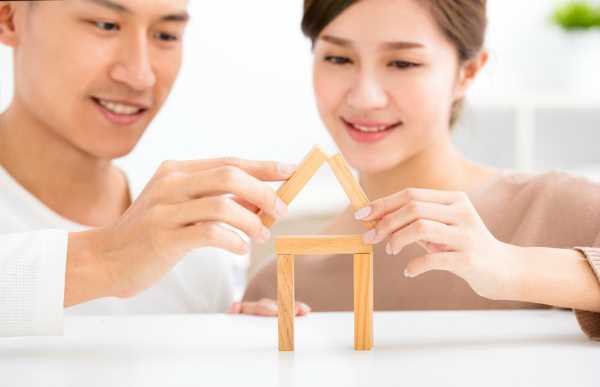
(493, 348)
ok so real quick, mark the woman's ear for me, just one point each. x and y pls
(469, 71)
(8, 32)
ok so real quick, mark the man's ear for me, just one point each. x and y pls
(8, 33)
(469, 71)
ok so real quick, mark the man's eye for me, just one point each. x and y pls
(403, 65)
(107, 26)
(337, 60)
(166, 37)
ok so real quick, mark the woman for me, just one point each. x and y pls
(389, 78)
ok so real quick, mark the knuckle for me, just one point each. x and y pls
(231, 161)
(168, 166)
(229, 175)
(414, 209)
(421, 227)
(410, 194)
(211, 231)
(221, 205)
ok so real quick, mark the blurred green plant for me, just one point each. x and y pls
(577, 15)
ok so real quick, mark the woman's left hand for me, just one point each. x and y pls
(447, 225)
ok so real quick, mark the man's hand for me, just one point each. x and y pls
(185, 206)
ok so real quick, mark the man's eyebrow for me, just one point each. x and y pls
(112, 5)
(180, 17)
(115, 6)
(399, 45)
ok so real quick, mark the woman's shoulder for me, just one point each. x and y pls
(552, 185)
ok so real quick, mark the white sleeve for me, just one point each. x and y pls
(32, 283)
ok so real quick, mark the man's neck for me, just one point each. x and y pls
(69, 181)
(441, 166)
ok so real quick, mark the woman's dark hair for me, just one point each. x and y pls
(464, 22)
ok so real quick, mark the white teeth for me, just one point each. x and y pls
(372, 129)
(119, 108)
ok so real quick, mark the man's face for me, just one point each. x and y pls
(96, 72)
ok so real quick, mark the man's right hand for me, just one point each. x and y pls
(186, 205)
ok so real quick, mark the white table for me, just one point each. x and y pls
(494, 348)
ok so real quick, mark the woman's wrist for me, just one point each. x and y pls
(551, 276)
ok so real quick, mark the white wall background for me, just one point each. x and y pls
(245, 88)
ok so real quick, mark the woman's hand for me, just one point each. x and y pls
(265, 307)
(456, 240)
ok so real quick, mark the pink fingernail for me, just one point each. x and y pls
(369, 236)
(363, 213)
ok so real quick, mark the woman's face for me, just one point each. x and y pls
(385, 78)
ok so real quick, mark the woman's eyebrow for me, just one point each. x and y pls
(386, 46)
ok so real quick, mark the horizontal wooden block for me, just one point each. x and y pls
(305, 171)
(352, 188)
(321, 244)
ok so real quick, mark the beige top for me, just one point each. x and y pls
(549, 210)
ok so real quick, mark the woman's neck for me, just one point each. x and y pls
(76, 185)
(441, 166)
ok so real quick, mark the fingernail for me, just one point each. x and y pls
(305, 307)
(281, 208)
(407, 274)
(287, 169)
(388, 249)
(369, 236)
(265, 234)
(245, 249)
(362, 213)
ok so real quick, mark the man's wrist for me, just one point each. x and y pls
(87, 274)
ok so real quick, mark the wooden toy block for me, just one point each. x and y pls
(287, 247)
(321, 244)
(286, 301)
(363, 302)
(306, 170)
(353, 190)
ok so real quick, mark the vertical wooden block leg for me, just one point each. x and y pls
(285, 301)
(363, 302)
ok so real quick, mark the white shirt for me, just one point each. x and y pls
(33, 252)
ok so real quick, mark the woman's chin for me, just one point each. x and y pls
(371, 164)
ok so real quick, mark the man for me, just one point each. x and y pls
(90, 75)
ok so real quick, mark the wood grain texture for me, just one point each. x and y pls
(363, 302)
(305, 171)
(286, 301)
(321, 244)
(357, 196)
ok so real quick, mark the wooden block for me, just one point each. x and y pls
(353, 190)
(321, 244)
(306, 170)
(363, 302)
(286, 301)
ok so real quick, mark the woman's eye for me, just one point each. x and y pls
(337, 60)
(403, 65)
(107, 26)
(166, 37)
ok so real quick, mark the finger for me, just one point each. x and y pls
(440, 261)
(425, 231)
(262, 170)
(408, 214)
(380, 207)
(231, 180)
(247, 205)
(264, 307)
(302, 309)
(235, 308)
(209, 234)
(220, 209)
